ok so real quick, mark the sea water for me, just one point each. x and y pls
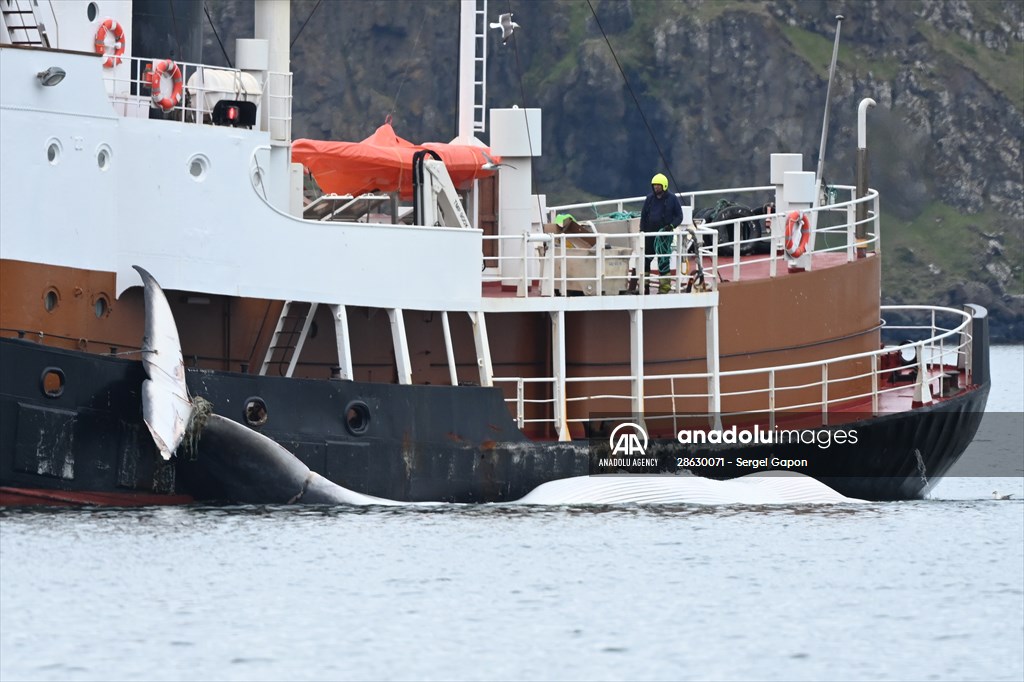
(931, 589)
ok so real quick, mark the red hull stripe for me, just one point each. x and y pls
(11, 497)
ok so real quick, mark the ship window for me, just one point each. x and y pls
(50, 300)
(53, 150)
(198, 165)
(52, 381)
(357, 418)
(103, 157)
(92, 11)
(101, 307)
(255, 412)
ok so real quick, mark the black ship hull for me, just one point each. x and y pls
(71, 431)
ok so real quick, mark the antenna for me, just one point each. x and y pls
(828, 99)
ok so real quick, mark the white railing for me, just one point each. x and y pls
(919, 367)
(542, 264)
(132, 95)
(730, 241)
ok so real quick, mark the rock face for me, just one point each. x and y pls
(705, 92)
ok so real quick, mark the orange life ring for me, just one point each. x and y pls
(797, 220)
(101, 42)
(160, 69)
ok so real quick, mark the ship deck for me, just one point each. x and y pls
(746, 268)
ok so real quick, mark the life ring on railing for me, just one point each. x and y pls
(101, 42)
(795, 247)
(160, 69)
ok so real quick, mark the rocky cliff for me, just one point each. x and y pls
(706, 91)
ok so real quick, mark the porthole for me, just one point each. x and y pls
(198, 166)
(101, 306)
(52, 381)
(92, 11)
(255, 411)
(257, 178)
(50, 299)
(357, 417)
(103, 157)
(53, 150)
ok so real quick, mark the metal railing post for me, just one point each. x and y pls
(642, 268)
(874, 384)
(679, 239)
(824, 394)
(922, 389)
(714, 262)
(565, 264)
(736, 252)
(851, 233)
(520, 404)
(524, 286)
(672, 389)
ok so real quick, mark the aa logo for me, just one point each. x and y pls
(628, 439)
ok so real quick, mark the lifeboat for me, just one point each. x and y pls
(383, 163)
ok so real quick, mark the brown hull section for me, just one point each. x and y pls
(794, 319)
(217, 332)
(763, 322)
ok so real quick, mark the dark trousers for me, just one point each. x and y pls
(657, 244)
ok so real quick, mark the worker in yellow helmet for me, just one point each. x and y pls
(662, 212)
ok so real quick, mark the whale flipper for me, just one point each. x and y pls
(165, 401)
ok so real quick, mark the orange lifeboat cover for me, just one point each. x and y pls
(383, 163)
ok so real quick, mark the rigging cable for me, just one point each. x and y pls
(526, 118)
(405, 72)
(217, 36)
(174, 27)
(299, 32)
(668, 168)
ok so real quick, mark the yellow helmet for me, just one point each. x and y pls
(660, 179)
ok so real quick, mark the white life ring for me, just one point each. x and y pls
(162, 68)
(109, 25)
(797, 245)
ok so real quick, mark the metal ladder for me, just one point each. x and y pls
(23, 21)
(289, 336)
(480, 68)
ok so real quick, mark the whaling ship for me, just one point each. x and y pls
(504, 355)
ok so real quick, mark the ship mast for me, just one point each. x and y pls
(273, 24)
(828, 101)
(472, 70)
